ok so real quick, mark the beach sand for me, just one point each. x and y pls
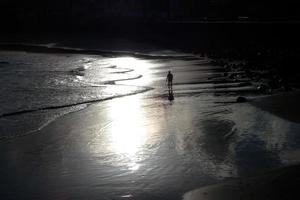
(144, 146)
(278, 184)
(283, 105)
(275, 184)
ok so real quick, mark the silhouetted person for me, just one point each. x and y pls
(170, 85)
(170, 81)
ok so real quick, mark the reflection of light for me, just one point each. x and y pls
(125, 62)
(128, 129)
(140, 67)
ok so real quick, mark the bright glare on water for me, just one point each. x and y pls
(141, 67)
(139, 147)
(128, 130)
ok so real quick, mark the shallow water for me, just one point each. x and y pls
(135, 147)
(46, 86)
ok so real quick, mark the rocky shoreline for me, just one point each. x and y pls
(267, 73)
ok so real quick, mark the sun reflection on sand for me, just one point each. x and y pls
(140, 67)
(128, 132)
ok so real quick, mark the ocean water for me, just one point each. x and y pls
(37, 88)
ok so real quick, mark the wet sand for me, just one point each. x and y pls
(284, 105)
(278, 184)
(145, 147)
(275, 184)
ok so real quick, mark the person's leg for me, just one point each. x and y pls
(169, 87)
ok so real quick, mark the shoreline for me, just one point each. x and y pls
(230, 68)
(74, 145)
(71, 105)
(57, 111)
(234, 73)
(40, 48)
(48, 123)
(234, 188)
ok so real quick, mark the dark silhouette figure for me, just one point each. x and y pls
(171, 96)
(170, 81)
(170, 85)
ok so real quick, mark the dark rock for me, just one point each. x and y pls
(241, 100)
(262, 88)
(245, 84)
(287, 87)
(232, 76)
(274, 84)
(256, 78)
(4, 63)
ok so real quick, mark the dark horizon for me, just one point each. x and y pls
(50, 14)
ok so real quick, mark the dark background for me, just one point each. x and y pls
(199, 25)
(90, 15)
(37, 15)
